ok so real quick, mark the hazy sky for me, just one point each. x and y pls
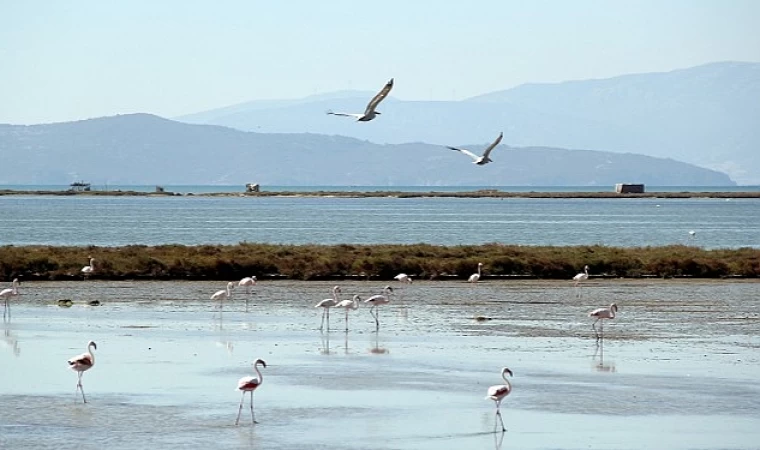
(70, 60)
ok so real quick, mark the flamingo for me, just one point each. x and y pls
(377, 300)
(601, 314)
(6, 295)
(349, 305)
(250, 384)
(326, 304)
(248, 283)
(583, 276)
(475, 276)
(480, 160)
(89, 269)
(404, 278)
(499, 391)
(224, 294)
(82, 363)
(369, 112)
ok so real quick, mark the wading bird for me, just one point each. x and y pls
(583, 276)
(377, 300)
(89, 269)
(601, 314)
(349, 305)
(250, 384)
(223, 294)
(82, 363)
(247, 283)
(326, 304)
(498, 392)
(475, 276)
(480, 160)
(404, 278)
(6, 295)
(369, 112)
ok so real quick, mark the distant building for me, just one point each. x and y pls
(626, 188)
(79, 186)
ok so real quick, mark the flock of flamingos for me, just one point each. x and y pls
(85, 361)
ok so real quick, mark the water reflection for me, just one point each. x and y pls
(498, 437)
(10, 339)
(325, 342)
(377, 349)
(599, 364)
(222, 339)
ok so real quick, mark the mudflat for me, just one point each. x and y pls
(678, 368)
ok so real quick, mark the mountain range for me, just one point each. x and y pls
(141, 149)
(705, 115)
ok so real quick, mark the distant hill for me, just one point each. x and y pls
(705, 115)
(146, 149)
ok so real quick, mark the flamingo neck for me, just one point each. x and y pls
(92, 355)
(258, 372)
(506, 381)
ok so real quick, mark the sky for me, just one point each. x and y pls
(73, 60)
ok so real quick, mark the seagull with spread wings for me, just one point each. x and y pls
(481, 160)
(370, 112)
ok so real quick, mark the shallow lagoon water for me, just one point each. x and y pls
(678, 368)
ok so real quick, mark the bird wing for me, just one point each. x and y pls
(499, 390)
(326, 303)
(466, 152)
(344, 114)
(5, 292)
(379, 97)
(83, 359)
(248, 382)
(492, 146)
(599, 312)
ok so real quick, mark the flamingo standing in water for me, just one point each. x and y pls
(583, 276)
(377, 300)
(475, 276)
(349, 305)
(250, 384)
(404, 278)
(247, 283)
(6, 295)
(82, 363)
(326, 304)
(498, 392)
(223, 294)
(89, 269)
(601, 314)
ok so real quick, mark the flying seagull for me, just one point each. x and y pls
(370, 112)
(480, 160)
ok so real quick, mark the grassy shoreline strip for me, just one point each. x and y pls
(484, 193)
(382, 262)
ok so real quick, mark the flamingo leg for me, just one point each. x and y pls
(322, 324)
(593, 325)
(253, 417)
(498, 414)
(240, 408)
(346, 320)
(601, 331)
(80, 387)
(327, 310)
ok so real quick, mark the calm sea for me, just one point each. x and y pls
(116, 221)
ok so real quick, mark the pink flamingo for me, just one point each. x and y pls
(326, 304)
(6, 295)
(223, 294)
(377, 300)
(250, 384)
(82, 363)
(600, 314)
(499, 391)
(475, 276)
(349, 305)
(404, 278)
(247, 283)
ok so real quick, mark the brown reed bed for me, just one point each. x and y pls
(383, 262)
